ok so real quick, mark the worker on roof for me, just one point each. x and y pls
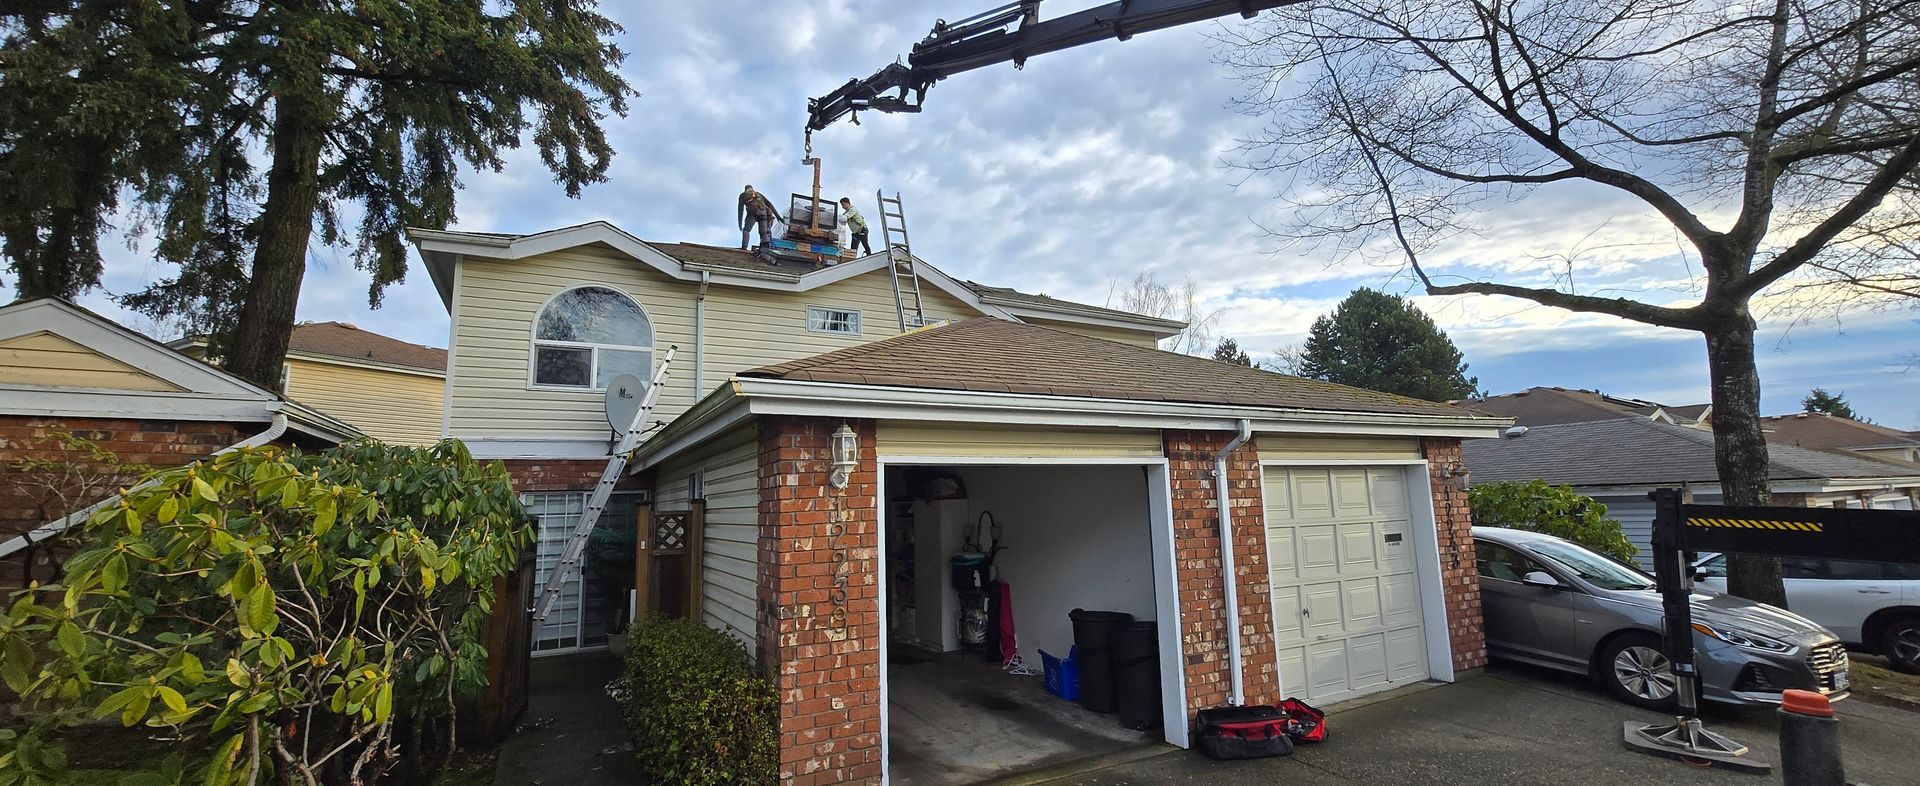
(855, 223)
(755, 207)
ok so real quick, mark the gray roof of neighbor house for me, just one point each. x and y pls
(349, 342)
(1546, 406)
(1820, 430)
(997, 356)
(1638, 452)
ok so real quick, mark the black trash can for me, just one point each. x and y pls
(1093, 634)
(1136, 667)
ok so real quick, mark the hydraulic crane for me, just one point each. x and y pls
(1010, 33)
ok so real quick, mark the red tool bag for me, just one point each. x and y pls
(1304, 722)
(1252, 732)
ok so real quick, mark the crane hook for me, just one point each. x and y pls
(808, 140)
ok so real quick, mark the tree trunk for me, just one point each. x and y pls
(259, 344)
(1740, 447)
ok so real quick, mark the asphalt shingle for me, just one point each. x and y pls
(1638, 451)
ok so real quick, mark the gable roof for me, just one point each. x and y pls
(1546, 406)
(1820, 430)
(440, 249)
(997, 356)
(349, 342)
(1639, 452)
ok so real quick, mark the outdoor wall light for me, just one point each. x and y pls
(846, 456)
(1456, 474)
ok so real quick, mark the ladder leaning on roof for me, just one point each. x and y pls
(597, 502)
(900, 262)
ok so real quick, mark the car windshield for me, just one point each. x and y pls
(1589, 566)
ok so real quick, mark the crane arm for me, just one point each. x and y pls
(1010, 33)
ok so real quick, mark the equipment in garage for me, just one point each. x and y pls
(1136, 674)
(1833, 533)
(982, 626)
(1093, 634)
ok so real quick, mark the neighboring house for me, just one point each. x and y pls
(1618, 461)
(391, 390)
(809, 447)
(66, 369)
(1831, 432)
(1547, 406)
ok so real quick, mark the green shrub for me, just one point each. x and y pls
(1537, 506)
(698, 711)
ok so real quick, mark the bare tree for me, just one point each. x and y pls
(1290, 359)
(1146, 295)
(1771, 135)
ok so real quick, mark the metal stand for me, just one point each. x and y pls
(1686, 738)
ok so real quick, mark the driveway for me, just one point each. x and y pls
(1522, 726)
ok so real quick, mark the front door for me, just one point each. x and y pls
(593, 597)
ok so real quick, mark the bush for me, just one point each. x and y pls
(1536, 506)
(698, 712)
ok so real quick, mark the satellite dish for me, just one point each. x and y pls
(624, 395)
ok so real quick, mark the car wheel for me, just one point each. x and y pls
(1900, 642)
(1634, 670)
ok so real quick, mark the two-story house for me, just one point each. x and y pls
(820, 465)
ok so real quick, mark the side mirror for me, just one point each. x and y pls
(1701, 574)
(1539, 578)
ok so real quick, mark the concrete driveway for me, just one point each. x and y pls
(1512, 726)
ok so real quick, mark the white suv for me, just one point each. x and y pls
(1875, 605)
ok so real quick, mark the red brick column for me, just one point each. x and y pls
(1454, 521)
(1196, 546)
(819, 616)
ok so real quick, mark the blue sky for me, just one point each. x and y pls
(1081, 170)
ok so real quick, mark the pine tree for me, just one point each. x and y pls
(1381, 342)
(1229, 351)
(239, 129)
(1835, 404)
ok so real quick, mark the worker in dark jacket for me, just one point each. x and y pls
(856, 225)
(754, 207)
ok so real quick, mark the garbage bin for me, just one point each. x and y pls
(1136, 666)
(1093, 634)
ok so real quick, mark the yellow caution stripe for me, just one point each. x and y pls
(1790, 526)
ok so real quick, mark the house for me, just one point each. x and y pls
(66, 369)
(391, 390)
(819, 457)
(1832, 432)
(1619, 461)
(1546, 406)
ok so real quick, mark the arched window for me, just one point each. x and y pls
(586, 336)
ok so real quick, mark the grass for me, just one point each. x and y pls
(1874, 682)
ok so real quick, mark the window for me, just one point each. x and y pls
(586, 336)
(1591, 566)
(833, 320)
(1495, 561)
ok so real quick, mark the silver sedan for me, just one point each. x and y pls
(1554, 603)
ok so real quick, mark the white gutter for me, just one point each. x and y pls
(1228, 572)
(700, 335)
(50, 529)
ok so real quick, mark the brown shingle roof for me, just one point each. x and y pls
(1819, 430)
(349, 342)
(1546, 406)
(992, 355)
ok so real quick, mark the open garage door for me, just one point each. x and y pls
(1345, 580)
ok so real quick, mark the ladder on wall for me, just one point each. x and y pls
(906, 293)
(602, 490)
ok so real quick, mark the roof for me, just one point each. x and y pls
(997, 356)
(1820, 430)
(1639, 452)
(1546, 406)
(349, 342)
(1005, 296)
(1690, 412)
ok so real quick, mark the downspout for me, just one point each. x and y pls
(1227, 566)
(700, 337)
(274, 429)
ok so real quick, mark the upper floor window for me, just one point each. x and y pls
(821, 319)
(586, 336)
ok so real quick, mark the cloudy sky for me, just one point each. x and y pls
(1082, 170)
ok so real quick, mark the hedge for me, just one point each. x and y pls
(698, 711)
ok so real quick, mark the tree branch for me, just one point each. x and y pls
(1901, 166)
(1682, 318)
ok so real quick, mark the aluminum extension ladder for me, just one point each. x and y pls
(901, 263)
(597, 502)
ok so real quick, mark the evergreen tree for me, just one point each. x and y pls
(1381, 342)
(1229, 351)
(1834, 404)
(239, 129)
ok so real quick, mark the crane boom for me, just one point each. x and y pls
(1010, 33)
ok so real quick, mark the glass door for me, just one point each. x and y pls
(593, 601)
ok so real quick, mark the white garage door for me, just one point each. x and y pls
(1346, 600)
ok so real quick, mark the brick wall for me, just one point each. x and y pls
(554, 474)
(1454, 520)
(1196, 545)
(819, 616)
(25, 498)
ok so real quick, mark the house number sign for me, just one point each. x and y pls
(836, 542)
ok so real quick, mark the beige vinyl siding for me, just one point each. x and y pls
(745, 328)
(1284, 447)
(897, 438)
(730, 466)
(1139, 338)
(46, 359)
(390, 406)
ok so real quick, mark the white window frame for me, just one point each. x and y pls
(859, 320)
(534, 343)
